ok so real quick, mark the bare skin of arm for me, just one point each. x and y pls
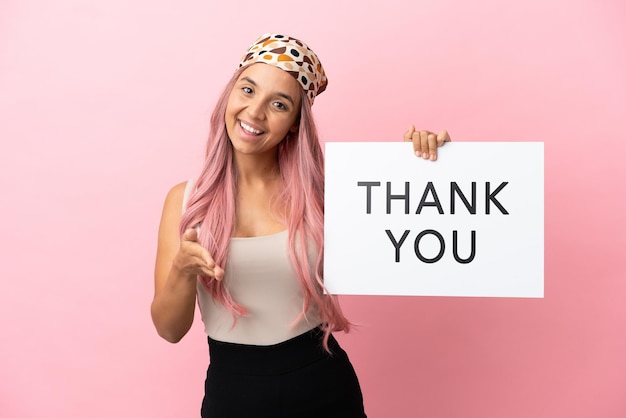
(179, 261)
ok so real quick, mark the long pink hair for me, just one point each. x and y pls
(212, 205)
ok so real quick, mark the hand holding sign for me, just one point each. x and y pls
(425, 143)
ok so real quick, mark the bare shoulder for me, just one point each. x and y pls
(175, 195)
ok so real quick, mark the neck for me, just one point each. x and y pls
(257, 168)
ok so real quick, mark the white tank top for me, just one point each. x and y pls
(259, 276)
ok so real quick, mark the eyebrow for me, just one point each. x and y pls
(280, 94)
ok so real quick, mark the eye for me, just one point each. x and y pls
(280, 106)
(247, 90)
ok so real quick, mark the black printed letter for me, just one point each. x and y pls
(368, 184)
(423, 202)
(454, 189)
(396, 244)
(491, 197)
(404, 197)
(455, 249)
(442, 246)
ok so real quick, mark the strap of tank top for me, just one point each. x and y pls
(189, 188)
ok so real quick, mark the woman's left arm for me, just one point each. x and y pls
(425, 143)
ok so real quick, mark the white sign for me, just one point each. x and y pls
(469, 224)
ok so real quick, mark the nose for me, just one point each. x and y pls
(256, 108)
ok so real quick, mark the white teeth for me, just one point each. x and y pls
(249, 128)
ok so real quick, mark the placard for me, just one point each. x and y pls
(469, 224)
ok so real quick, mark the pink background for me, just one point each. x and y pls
(104, 106)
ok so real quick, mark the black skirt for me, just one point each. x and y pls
(293, 379)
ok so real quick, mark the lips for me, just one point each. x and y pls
(249, 129)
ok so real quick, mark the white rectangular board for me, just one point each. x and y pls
(378, 192)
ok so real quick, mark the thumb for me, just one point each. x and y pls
(190, 234)
(443, 137)
(408, 135)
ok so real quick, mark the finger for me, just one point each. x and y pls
(424, 143)
(432, 146)
(408, 135)
(192, 265)
(215, 271)
(190, 235)
(203, 268)
(219, 273)
(443, 137)
(202, 256)
(190, 247)
(417, 148)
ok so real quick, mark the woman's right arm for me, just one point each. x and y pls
(179, 261)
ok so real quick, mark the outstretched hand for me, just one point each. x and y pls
(425, 143)
(194, 260)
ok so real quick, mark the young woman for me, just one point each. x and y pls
(245, 239)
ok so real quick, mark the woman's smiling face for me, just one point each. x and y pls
(263, 107)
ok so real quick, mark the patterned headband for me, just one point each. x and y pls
(291, 55)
